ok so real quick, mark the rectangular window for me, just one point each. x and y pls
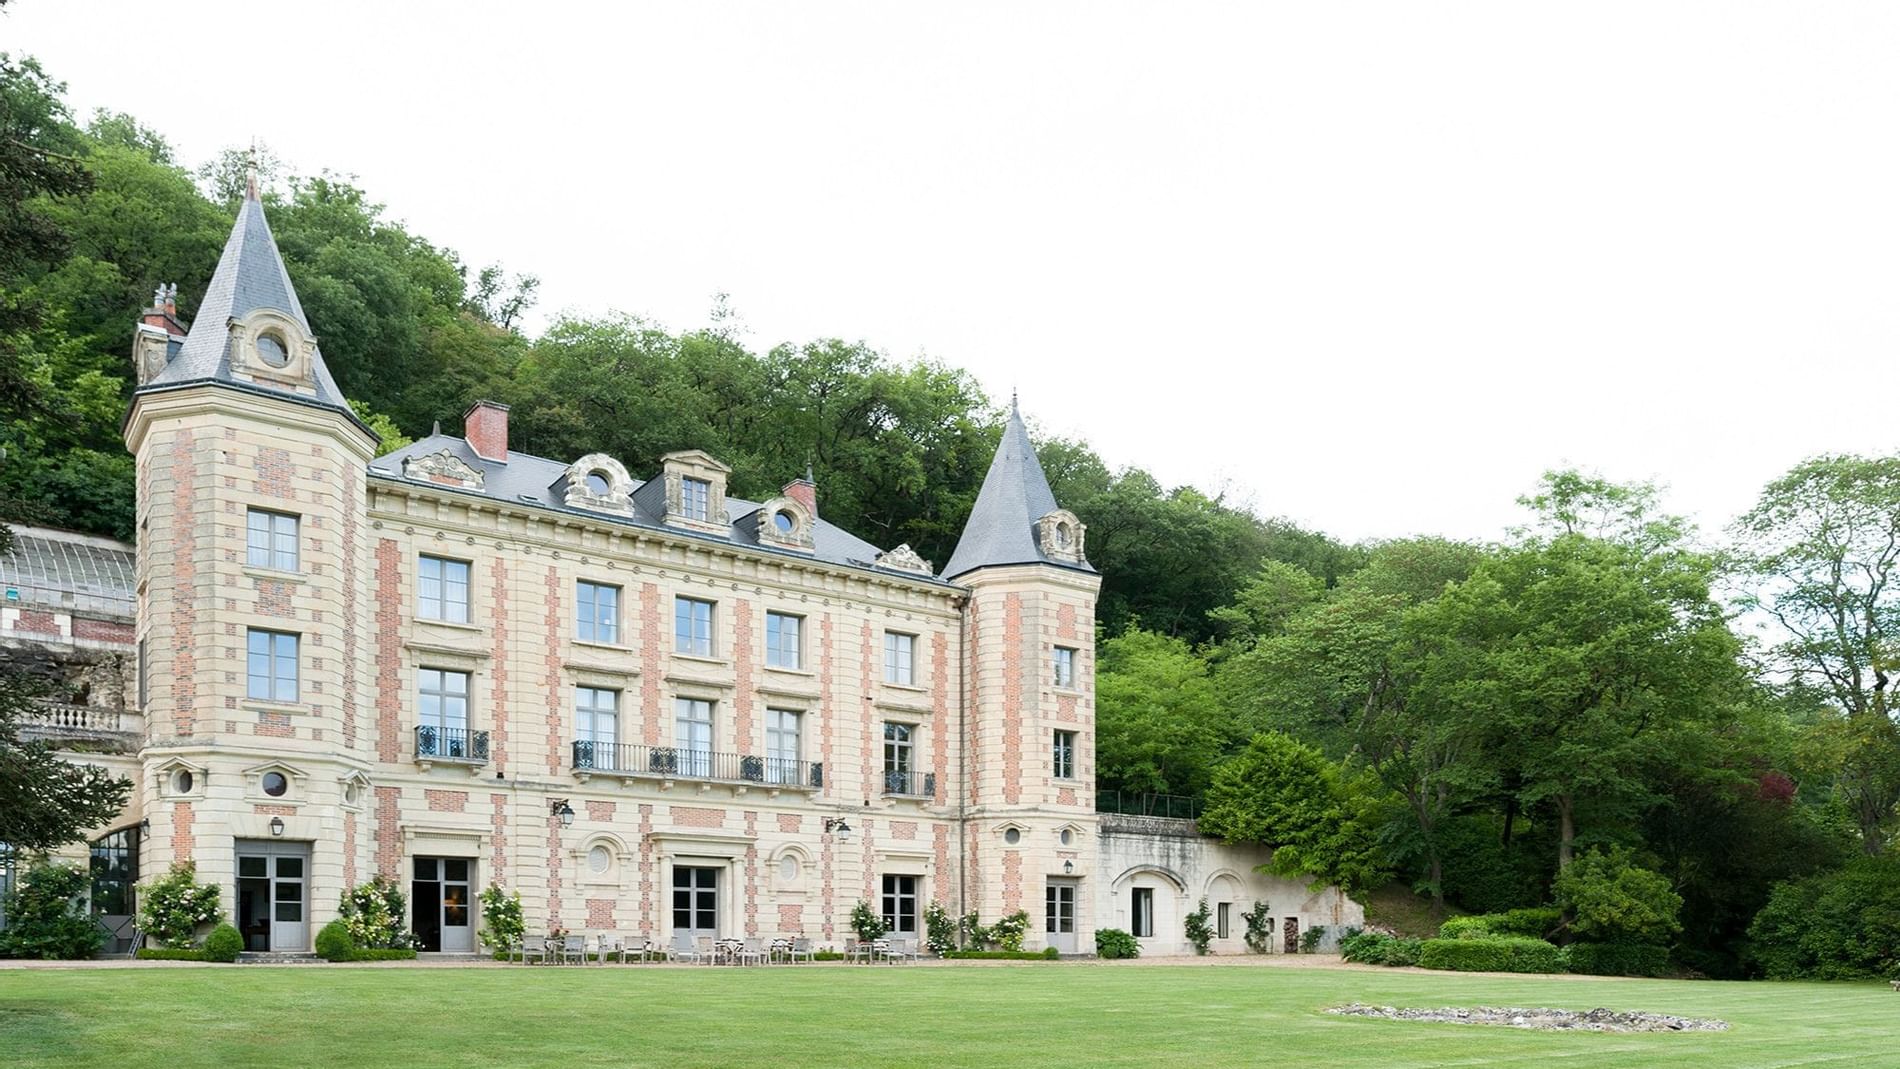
(1141, 906)
(1058, 901)
(899, 666)
(1065, 667)
(271, 541)
(442, 586)
(441, 713)
(596, 726)
(271, 665)
(900, 905)
(1063, 755)
(692, 626)
(900, 750)
(695, 902)
(1223, 920)
(782, 633)
(597, 613)
(693, 736)
(781, 746)
(696, 499)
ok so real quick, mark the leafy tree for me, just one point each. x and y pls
(44, 919)
(1607, 898)
(1840, 925)
(1158, 726)
(1822, 545)
(1284, 794)
(46, 802)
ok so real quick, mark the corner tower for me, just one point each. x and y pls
(1029, 676)
(252, 572)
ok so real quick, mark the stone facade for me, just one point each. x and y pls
(616, 654)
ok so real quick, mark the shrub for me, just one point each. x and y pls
(1840, 925)
(1475, 927)
(1199, 931)
(1616, 959)
(1048, 954)
(502, 924)
(1504, 953)
(44, 919)
(168, 954)
(940, 932)
(1403, 952)
(1007, 933)
(1115, 943)
(1310, 938)
(223, 944)
(1051, 953)
(375, 912)
(1609, 899)
(1535, 923)
(867, 922)
(174, 906)
(334, 942)
(397, 954)
(1259, 928)
(1379, 948)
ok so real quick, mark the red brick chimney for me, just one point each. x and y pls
(805, 492)
(163, 313)
(485, 426)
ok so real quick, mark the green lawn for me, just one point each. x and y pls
(1029, 1015)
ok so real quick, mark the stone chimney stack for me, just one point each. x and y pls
(804, 491)
(485, 426)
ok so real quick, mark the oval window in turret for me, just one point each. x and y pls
(270, 349)
(783, 521)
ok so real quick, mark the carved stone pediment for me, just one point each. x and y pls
(904, 559)
(443, 467)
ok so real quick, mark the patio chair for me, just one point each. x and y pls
(753, 952)
(801, 948)
(606, 946)
(574, 948)
(531, 949)
(901, 949)
(706, 950)
(853, 950)
(683, 950)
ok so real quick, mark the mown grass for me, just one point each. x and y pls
(936, 1017)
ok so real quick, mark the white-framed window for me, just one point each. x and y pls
(693, 627)
(597, 722)
(781, 746)
(900, 904)
(1062, 755)
(900, 753)
(442, 590)
(1065, 666)
(783, 637)
(1224, 920)
(442, 713)
(695, 498)
(900, 658)
(597, 612)
(1141, 909)
(693, 735)
(271, 665)
(270, 540)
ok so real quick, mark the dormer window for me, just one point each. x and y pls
(695, 499)
(272, 350)
(1061, 536)
(783, 522)
(597, 484)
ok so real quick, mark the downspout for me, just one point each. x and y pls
(963, 759)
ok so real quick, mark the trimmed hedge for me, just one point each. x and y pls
(383, 954)
(1535, 923)
(334, 942)
(1491, 954)
(1473, 927)
(1046, 954)
(224, 944)
(166, 954)
(1378, 948)
(1617, 959)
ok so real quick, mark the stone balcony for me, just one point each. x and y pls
(82, 727)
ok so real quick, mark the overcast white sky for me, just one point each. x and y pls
(1369, 266)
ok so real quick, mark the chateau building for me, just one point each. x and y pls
(648, 706)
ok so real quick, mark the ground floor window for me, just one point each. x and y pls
(1059, 908)
(1141, 908)
(900, 904)
(695, 900)
(1223, 920)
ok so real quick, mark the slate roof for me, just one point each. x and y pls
(61, 569)
(1015, 494)
(539, 482)
(250, 276)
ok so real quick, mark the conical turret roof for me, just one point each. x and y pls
(1015, 494)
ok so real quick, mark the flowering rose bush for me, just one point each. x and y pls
(375, 914)
(173, 907)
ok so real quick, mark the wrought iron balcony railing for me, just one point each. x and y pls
(910, 784)
(676, 762)
(451, 744)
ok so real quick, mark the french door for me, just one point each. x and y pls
(900, 905)
(695, 904)
(439, 908)
(1059, 915)
(273, 896)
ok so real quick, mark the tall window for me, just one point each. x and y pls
(696, 498)
(1141, 906)
(271, 665)
(1063, 755)
(144, 677)
(782, 640)
(693, 736)
(441, 713)
(115, 873)
(272, 541)
(597, 723)
(1224, 920)
(781, 746)
(899, 667)
(692, 626)
(1065, 666)
(900, 904)
(443, 586)
(899, 753)
(597, 613)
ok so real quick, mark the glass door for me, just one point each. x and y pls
(289, 929)
(900, 906)
(439, 904)
(695, 904)
(273, 896)
(1059, 915)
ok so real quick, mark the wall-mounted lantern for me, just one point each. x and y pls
(560, 808)
(276, 826)
(837, 826)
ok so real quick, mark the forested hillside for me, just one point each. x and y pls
(1475, 721)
